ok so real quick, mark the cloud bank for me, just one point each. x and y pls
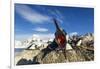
(31, 15)
(39, 29)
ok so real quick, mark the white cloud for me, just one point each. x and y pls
(38, 29)
(44, 36)
(73, 33)
(31, 15)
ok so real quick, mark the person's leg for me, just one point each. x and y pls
(64, 52)
(45, 52)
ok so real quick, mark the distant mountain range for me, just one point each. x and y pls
(35, 42)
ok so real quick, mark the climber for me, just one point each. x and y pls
(59, 42)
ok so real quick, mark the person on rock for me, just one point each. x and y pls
(59, 42)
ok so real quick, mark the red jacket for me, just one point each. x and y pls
(61, 40)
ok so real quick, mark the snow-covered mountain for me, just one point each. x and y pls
(35, 42)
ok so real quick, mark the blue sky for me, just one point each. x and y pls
(36, 20)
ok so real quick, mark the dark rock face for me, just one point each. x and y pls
(74, 55)
(26, 62)
(77, 54)
(88, 53)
